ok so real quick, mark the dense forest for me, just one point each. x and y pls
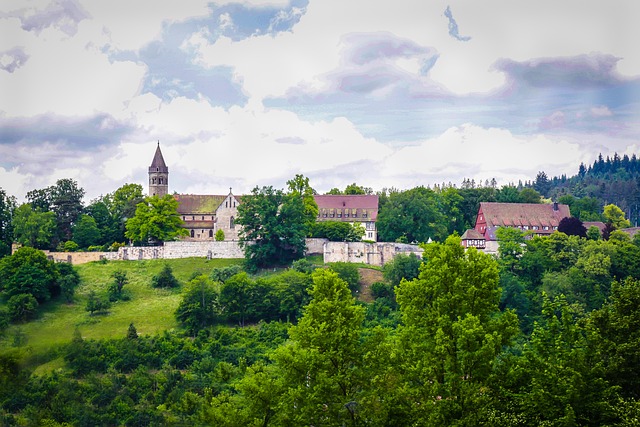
(545, 333)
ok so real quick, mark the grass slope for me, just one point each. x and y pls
(150, 310)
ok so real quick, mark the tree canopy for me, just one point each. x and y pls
(274, 227)
(156, 219)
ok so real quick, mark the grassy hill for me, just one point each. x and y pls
(150, 310)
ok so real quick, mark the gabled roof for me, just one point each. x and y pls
(521, 214)
(158, 164)
(354, 201)
(199, 204)
(472, 234)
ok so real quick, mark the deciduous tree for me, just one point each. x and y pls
(156, 219)
(452, 333)
(274, 227)
(33, 228)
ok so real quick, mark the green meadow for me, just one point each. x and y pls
(149, 309)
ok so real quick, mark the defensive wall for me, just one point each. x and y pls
(367, 253)
(358, 252)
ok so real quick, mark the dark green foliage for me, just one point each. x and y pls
(303, 265)
(277, 223)
(199, 306)
(414, 215)
(96, 304)
(28, 271)
(116, 287)
(86, 232)
(7, 208)
(132, 333)
(63, 199)
(222, 274)
(22, 307)
(617, 325)
(68, 279)
(165, 279)
(402, 267)
(336, 231)
(347, 272)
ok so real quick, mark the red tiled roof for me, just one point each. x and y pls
(329, 202)
(521, 214)
(472, 234)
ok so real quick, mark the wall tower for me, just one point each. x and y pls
(158, 175)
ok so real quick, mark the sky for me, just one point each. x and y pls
(252, 92)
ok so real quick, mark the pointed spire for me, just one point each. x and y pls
(158, 163)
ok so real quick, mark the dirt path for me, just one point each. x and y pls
(367, 278)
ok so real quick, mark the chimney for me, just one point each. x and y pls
(555, 206)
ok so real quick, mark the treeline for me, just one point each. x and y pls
(610, 180)
(55, 217)
(543, 335)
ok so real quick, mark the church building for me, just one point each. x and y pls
(205, 214)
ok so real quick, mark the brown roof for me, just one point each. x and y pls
(601, 225)
(198, 204)
(360, 202)
(520, 214)
(472, 234)
(158, 164)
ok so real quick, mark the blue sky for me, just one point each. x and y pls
(246, 93)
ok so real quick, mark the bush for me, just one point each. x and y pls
(165, 279)
(96, 305)
(222, 274)
(220, 236)
(303, 265)
(381, 290)
(22, 307)
(70, 246)
(402, 267)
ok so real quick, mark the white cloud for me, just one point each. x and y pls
(130, 26)
(475, 152)
(14, 182)
(601, 111)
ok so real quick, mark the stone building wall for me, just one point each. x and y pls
(76, 257)
(367, 253)
(315, 246)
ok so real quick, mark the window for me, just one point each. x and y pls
(546, 227)
(183, 217)
(234, 203)
(226, 204)
(192, 233)
(210, 233)
(232, 223)
(193, 217)
(535, 227)
(159, 180)
(203, 217)
(364, 214)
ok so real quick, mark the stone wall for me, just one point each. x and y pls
(315, 246)
(367, 253)
(183, 249)
(76, 257)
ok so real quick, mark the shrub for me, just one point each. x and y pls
(220, 236)
(70, 246)
(165, 279)
(22, 307)
(303, 265)
(222, 274)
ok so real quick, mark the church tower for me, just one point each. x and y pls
(158, 175)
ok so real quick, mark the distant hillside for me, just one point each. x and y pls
(608, 180)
